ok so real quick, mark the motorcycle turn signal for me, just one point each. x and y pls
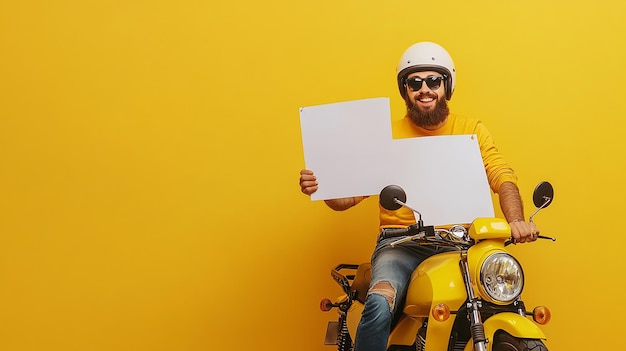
(541, 315)
(441, 312)
(326, 305)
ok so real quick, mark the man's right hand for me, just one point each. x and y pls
(308, 185)
(308, 182)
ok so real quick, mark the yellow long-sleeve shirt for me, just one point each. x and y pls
(498, 171)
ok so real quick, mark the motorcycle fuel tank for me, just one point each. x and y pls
(437, 280)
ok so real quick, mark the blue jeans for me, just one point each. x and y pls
(393, 266)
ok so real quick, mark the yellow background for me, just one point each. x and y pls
(150, 150)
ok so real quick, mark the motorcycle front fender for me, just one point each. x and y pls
(512, 323)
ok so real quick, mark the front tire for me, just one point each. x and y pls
(504, 341)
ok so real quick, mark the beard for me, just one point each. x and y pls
(430, 118)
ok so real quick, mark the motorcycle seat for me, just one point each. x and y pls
(361, 283)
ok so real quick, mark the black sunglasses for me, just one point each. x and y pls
(432, 82)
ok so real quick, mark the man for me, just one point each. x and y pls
(426, 80)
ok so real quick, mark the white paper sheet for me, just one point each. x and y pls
(443, 176)
(342, 142)
(349, 147)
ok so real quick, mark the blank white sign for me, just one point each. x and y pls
(349, 147)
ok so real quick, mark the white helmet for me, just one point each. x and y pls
(426, 56)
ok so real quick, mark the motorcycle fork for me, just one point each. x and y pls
(473, 307)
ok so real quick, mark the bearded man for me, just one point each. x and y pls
(426, 79)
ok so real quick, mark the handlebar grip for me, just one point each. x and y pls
(395, 232)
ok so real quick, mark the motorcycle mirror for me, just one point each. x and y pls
(389, 195)
(543, 195)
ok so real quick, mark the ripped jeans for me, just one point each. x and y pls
(391, 273)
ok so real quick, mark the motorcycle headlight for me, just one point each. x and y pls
(501, 278)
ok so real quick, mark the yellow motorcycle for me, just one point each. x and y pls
(462, 300)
